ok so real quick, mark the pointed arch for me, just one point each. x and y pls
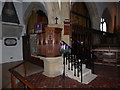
(93, 14)
(33, 6)
(9, 13)
(106, 15)
(79, 14)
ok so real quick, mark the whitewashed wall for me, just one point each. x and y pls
(0, 47)
(0, 64)
(0, 51)
(13, 53)
(0, 34)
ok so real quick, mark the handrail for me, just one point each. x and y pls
(17, 66)
(76, 62)
(22, 79)
(64, 42)
(19, 77)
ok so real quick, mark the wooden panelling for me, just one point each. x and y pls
(79, 14)
(26, 48)
(48, 45)
(35, 18)
(67, 28)
(104, 54)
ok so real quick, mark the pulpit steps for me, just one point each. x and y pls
(87, 75)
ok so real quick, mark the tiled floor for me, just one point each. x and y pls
(108, 77)
(6, 76)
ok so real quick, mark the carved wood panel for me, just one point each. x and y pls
(49, 42)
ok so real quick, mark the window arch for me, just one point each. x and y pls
(103, 25)
(106, 21)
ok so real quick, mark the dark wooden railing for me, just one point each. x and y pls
(15, 75)
(73, 59)
(90, 39)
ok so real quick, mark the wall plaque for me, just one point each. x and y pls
(67, 27)
(10, 41)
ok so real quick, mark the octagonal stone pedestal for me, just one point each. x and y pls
(52, 65)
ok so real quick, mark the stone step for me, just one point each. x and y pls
(89, 78)
(86, 75)
(86, 78)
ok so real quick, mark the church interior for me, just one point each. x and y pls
(59, 44)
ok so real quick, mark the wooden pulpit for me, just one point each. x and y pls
(49, 42)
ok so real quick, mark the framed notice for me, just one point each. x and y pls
(38, 28)
(67, 27)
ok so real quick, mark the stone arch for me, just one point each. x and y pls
(9, 13)
(94, 15)
(34, 6)
(1, 8)
(107, 16)
(79, 14)
(93, 12)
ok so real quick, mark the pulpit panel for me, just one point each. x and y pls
(48, 42)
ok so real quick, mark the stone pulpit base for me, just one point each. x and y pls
(52, 65)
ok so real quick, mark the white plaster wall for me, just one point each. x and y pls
(0, 7)
(25, 6)
(0, 76)
(0, 42)
(12, 51)
(19, 10)
(0, 64)
(0, 51)
(0, 28)
(0, 47)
